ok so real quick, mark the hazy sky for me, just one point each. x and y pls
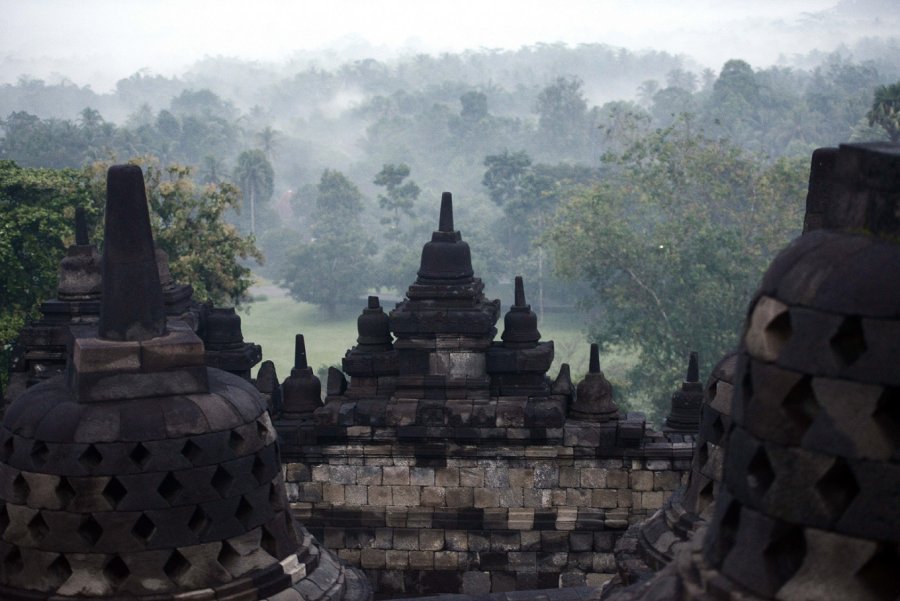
(100, 41)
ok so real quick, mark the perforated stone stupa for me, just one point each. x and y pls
(809, 507)
(143, 474)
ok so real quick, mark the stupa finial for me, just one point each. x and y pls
(81, 233)
(300, 353)
(131, 306)
(446, 222)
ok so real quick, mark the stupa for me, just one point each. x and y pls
(809, 507)
(143, 474)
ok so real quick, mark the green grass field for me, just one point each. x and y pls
(274, 319)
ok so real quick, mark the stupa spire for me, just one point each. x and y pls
(446, 221)
(131, 306)
(81, 233)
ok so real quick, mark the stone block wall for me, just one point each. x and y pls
(440, 518)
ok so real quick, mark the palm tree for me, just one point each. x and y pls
(268, 140)
(255, 176)
(211, 170)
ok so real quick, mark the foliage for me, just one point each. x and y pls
(256, 178)
(333, 267)
(885, 110)
(563, 122)
(37, 216)
(399, 197)
(672, 244)
(529, 194)
(187, 221)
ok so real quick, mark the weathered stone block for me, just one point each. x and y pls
(406, 496)
(459, 497)
(476, 583)
(486, 497)
(521, 477)
(593, 477)
(380, 496)
(396, 560)
(395, 475)
(471, 476)
(372, 558)
(446, 476)
(431, 540)
(421, 560)
(641, 480)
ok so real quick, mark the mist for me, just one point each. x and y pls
(98, 42)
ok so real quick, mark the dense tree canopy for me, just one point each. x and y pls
(37, 222)
(516, 136)
(333, 267)
(672, 244)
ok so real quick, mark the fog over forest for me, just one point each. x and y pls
(638, 162)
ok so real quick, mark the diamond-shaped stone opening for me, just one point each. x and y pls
(274, 497)
(13, 563)
(37, 527)
(887, 415)
(143, 528)
(169, 488)
(262, 430)
(90, 458)
(221, 480)
(59, 569)
(177, 567)
(778, 331)
(879, 574)
(760, 474)
(718, 430)
(269, 543)
(259, 469)
(90, 530)
(39, 453)
(244, 512)
(705, 497)
(784, 554)
(8, 448)
(199, 521)
(726, 532)
(746, 387)
(4, 518)
(838, 487)
(236, 442)
(114, 492)
(192, 452)
(228, 558)
(849, 342)
(64, 492)
(21, 490)
(800, 404)
(139, 455)
(116, 572)
(703, 454)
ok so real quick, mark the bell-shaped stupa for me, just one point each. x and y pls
(141, 473)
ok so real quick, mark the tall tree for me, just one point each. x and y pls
(399, 197)
(885, 110)
(255, 177)
(563, 123)
(333, 268)
(672, 243)
(268, 139)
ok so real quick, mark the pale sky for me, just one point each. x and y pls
(97, 42)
